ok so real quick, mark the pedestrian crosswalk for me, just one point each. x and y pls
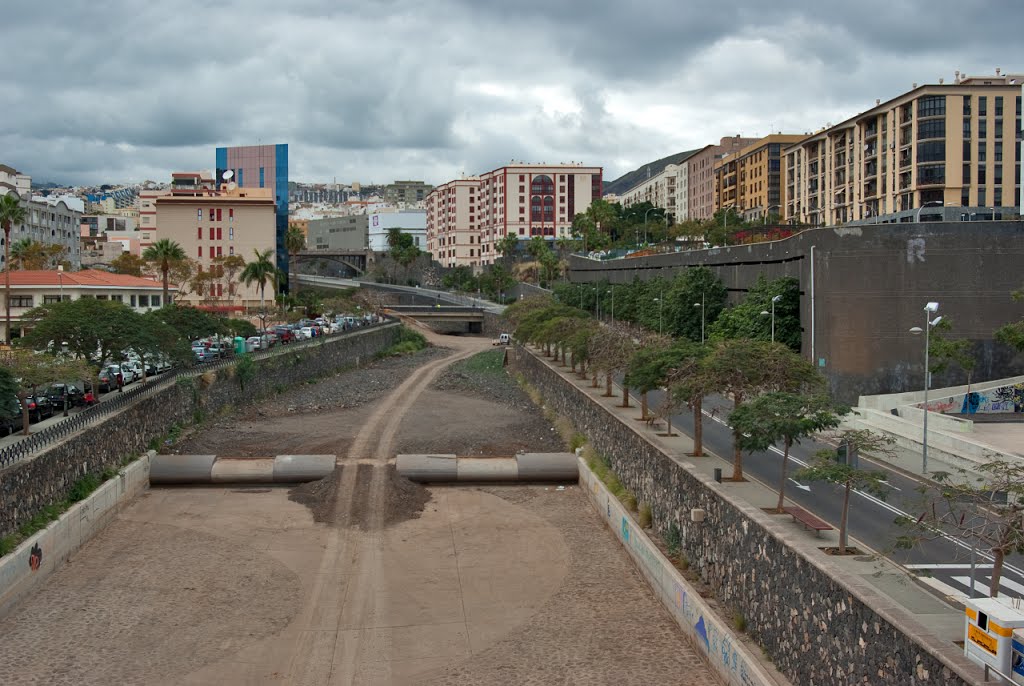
(954, 579)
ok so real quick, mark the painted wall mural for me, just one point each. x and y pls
(1002, 400)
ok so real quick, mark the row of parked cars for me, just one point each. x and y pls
(213, 348)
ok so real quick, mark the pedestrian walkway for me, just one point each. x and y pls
(892, 581)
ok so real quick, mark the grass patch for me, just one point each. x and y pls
(645, 516)
(739, 621)
(577, 441)
(674, 540)
(408, 342)
(487, 363)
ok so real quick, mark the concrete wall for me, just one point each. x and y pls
(29, 486)
(870, 286)
(39, 556)
(711, 636)
(818, 623)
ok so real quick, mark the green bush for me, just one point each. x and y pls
(629, 501)
(245, 370)
(578, 441)
(83, 487)
(673, 540)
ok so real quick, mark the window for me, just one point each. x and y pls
(199, 233)
(199, 214)
(965, 195)
(133, 301)
(220, 234)
(967, 104)
(981, 151)
(967, 151)
(218, 214)
(231, 233)
(200, 254)
(212, 214)
(117, 298)
(261, 177)
(982, 105)
(931, 106)
(933, 128)
(931, 152)
(966, 177)
(143, 301)
(997, 197)
(231, 250)
(931, 174)
(50, 299)
(998, 154)
(982, 128)
(998, 180)
(999, 105)
(999, 129)
(219, 251)
(21, 301)
(967, 127)
(981, 197)
(231, 214)
(212, 233)
(981, 175)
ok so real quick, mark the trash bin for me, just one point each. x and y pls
(239, 345)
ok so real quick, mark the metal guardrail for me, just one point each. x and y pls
(92, 415)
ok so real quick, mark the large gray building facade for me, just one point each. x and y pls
(863, 288)
(51, 222)
(338, 233)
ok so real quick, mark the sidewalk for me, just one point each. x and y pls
(891, 581)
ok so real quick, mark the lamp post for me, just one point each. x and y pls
(930, 202)
(612, 291)
(661, 308)
(993, 213)
(725, 216)
(645, 221)
(929, 310)
(776, 299)
(767, 209)
(60, 282)
(701, 306)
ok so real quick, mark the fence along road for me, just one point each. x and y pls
(34, 443)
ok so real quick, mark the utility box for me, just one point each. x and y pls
(239, 345)
(989, 625)
(1017, 657)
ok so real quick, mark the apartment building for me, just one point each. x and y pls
(453, 234)
(668, 189)
(412, 222)
(211, 223)
(13, 180)
(700, 179)
(750, 180)
(406, 193)
(465, 218)
(940, 145)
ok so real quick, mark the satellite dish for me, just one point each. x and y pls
(232, 186)
(227, 175)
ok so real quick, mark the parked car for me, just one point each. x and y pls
(39, 407)
(12, 423)
(202, 353)
(110, 378)
(128, 373)
(307, 332)
(284, 334)
(253, 343)
(56, 394)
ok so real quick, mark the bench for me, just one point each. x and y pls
(809, 521)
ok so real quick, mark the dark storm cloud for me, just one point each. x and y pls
(396, 88)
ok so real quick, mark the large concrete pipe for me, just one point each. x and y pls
(209, 469)
(522, 467)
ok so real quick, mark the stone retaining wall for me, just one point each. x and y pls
(817, 623)
(29, 486)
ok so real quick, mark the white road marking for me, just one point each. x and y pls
(979, 584)
(943, 588)
(800, 485)
(966, 565)
(895, 510)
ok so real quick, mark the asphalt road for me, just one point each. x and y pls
(945, 561)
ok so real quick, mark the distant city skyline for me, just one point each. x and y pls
(396, 94)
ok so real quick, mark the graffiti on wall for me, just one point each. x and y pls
(1002, 400)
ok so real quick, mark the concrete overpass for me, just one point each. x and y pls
(355, 262)
(471, 317)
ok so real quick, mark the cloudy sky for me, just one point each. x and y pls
(120, 90)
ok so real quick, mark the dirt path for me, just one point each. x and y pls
(357, 549)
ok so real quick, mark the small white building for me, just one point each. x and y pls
(412, 222)
(34, 288)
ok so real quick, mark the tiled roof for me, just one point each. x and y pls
(86, 277)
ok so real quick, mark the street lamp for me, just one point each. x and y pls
(612, 291)
(930, 202)
(60, 281)
(776, 299)
(661, 307)
(766, 211)
(701, 306)
(929, 309)
(645, 220)
(725, 216)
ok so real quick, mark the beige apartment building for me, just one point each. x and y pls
(466, 217)
(700, 181)
(750, 180)
(210, 223)
(452, 231)
(668, 189)
(938, 146)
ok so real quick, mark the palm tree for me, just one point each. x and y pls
(294, 241)
(11, 213)
(260, 271)
(164, 252)
(20, 253)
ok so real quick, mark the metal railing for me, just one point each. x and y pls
(92, 415)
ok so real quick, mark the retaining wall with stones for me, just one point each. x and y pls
(816, 622)
(29, 486)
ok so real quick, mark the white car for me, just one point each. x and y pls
(128, 373)
(307, 332)
(253, 343)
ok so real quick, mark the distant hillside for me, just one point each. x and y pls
(630, 179)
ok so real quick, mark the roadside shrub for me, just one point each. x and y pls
(629, 501)
(245, 370)
(645, 516)
(673, 540)
(577, 441)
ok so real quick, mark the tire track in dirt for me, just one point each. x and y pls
(383, 425)
(352, 550)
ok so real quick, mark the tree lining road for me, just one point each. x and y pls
(872, 520)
